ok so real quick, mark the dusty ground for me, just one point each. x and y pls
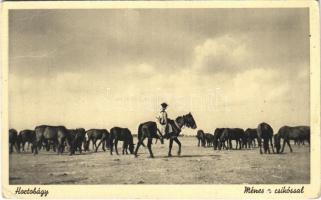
(196, 165)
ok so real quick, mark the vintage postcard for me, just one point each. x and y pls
(161, 100)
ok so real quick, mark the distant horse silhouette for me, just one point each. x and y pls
(13, 140)
(200, 135)
(149, 130)
(265, 132)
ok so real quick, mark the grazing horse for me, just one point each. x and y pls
(216, 141)
(78, 137)
(287, 133)
(200, 137)
(97, 134)
(13, 141)
(252, 135)
(121, 134)
(246, 140)
(149, 130)
(27, 136)
(57, 135)
(209, 139)
(230, 134)
(265, 132)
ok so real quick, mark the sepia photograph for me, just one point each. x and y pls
(160, 96)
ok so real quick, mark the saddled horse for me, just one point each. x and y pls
(265, 132)
(149, 130)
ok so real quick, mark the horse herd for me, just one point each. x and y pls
(59, 137)
(222, 137)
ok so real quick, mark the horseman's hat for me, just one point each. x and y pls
(164, 105)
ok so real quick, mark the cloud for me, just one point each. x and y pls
(102, 68)
(223, 54)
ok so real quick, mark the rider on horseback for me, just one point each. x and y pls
(166, 127)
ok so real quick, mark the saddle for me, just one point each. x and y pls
(175, 129)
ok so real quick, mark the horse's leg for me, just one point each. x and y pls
(259, 141)
(272, 145)
(230, 144)
(92, 140)
(116, 142)
(149, 145)
(288, 142)
(104, 144)
(179, 146)
(62, 146)
(267, 145)
(111, 146)
(126, 147)
(58, 146)
(53, 147)
(140, 142)
(170, 147)
(16, 146)
(284, 141)
(10, 148)
(23, 146)
(124, 143)
(95, 145)
(98, 145)
(199, 141)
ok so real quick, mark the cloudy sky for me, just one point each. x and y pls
(113, 67)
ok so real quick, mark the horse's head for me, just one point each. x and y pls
(131, 148)
(189, 121)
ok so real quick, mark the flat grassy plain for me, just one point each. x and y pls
(196, 165)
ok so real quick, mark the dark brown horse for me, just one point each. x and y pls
(230, 134)
(97, 134)
(149, 130)
(27, 136)
(200, 135)
(121, 134)
(13, 141)
(265, 133)
(58, 135)
(209, 138)
(216, 141)
(77, 139)
(287, 133)
(252, 136)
